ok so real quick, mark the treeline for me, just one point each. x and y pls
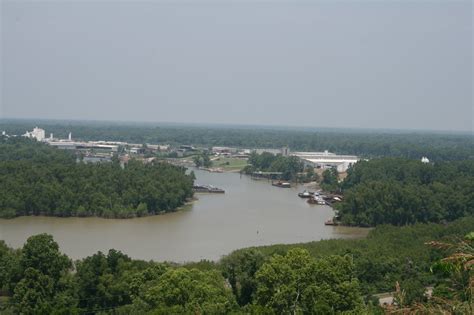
(38, 279)
(16, 149)
(202, 160)
(371, 143)
(400, 191)
(388, 254)
(36, 179)
(289, 166)
(326, 277)
(330, 180)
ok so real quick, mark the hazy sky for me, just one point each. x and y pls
(376, 64)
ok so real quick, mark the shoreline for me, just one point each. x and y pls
(183, 207)
(218, 170)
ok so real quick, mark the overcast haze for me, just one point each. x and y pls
(372, 64)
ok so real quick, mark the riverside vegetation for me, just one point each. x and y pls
(401, 191)
(289, 166)
(326, 277)
(36, 179)
(387, 190)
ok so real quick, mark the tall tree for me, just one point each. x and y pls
(41, 253)
(297, 283)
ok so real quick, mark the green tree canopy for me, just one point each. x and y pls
(298, 283)
(400, 191)
(53, 183)
(184, 291)
(41, 253)
(240, 270)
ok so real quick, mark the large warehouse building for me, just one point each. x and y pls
(327, 159)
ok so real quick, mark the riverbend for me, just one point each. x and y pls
(250, 213)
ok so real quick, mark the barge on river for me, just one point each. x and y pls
(207, 189)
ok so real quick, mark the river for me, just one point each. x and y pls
(250, 213)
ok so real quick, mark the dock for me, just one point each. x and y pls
(267, 175)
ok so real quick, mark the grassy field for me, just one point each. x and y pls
(229, 164)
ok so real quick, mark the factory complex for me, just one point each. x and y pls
(98, 151)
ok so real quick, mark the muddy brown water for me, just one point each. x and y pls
(250, 213)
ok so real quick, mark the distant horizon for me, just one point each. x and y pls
(381, 65)
(149, 123)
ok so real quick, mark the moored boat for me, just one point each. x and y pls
(305, 194)
(281, 184)
(207, 189)
(316, 200)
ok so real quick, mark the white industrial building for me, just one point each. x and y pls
(327, 159)
(37, 134)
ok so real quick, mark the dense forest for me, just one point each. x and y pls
(325, 277)
(370, 143)
(388, 255)
(400, 191)
(36, 179)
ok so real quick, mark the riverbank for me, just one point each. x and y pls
(184, 206)
(381, 259)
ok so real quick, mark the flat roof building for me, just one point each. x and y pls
(327, 159)
(83, 145)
